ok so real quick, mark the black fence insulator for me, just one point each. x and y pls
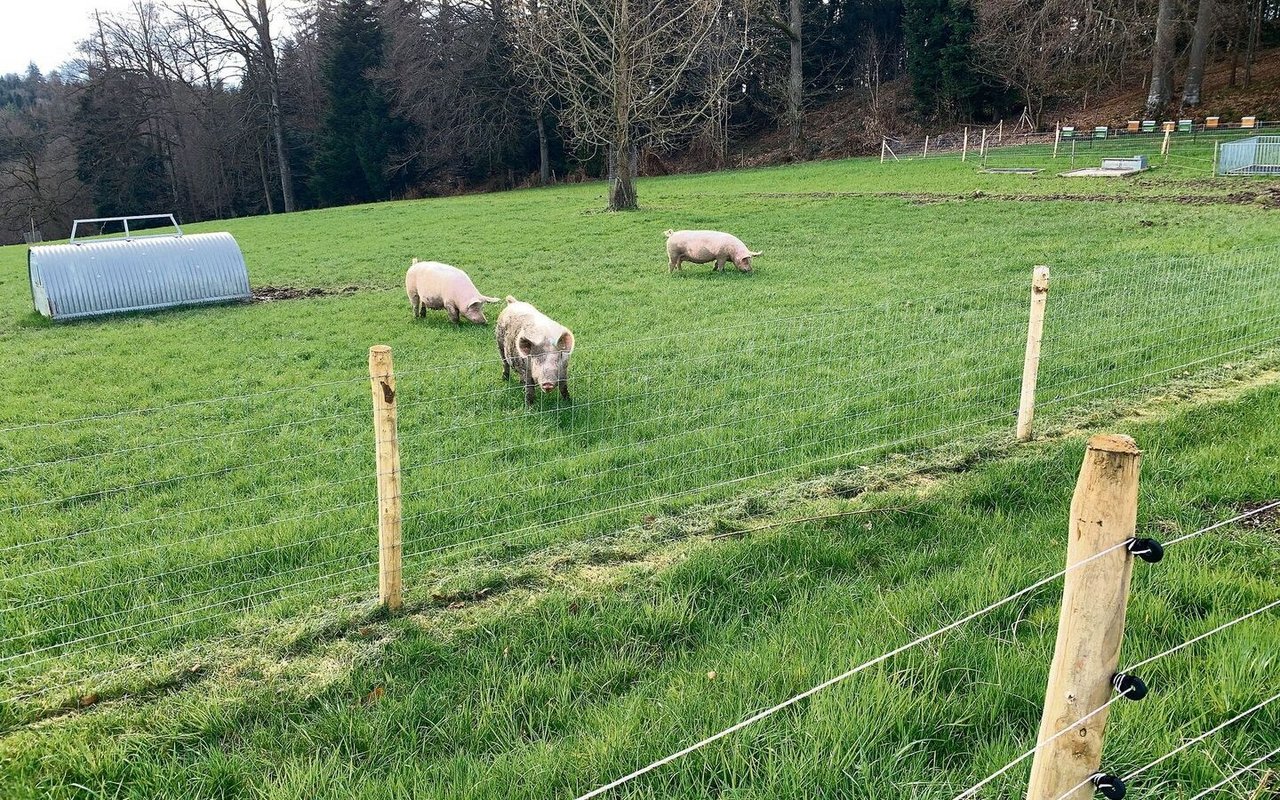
(1149, 550)
(1109, 786)
(1131, 686)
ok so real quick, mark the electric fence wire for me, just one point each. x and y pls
(885, 656)
(1236, 774)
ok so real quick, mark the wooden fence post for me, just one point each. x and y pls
(1104, 512)
(964, 148)
(926, 147)
(1057, 137)
(387, 451)
(1216, 145)
(1164, 146)
(883, 143)
(1031, 362)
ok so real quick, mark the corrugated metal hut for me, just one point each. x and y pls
(87, 278)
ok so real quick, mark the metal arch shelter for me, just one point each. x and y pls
(88, 278)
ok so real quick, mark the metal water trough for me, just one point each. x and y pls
(1137, 163)
(135, 272)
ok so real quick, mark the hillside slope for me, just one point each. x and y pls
(848, 126)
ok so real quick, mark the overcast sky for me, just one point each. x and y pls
(46, 31)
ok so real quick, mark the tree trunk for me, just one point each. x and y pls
(544, 156)
(1235, 62)
(1161, 61)
(622, 183)
(1255, 30)
(266, 184)
(795, 81)
(1199, 50)
(273, 110)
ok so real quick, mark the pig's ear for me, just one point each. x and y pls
(753, 255)
(566, 341)
(524, 346)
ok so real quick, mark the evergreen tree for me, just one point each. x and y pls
(359, 134)
(940, 56)
(117, 156)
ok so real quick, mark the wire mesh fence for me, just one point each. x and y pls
(130, 536)
(1194, 150)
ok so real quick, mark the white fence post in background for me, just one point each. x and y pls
(964, 148)
(883, 144)
(926, 146)
(1031, 362)
(1216, 145)
(1057, 137)
(387, 452)
(1104, 513)
(1000, 133)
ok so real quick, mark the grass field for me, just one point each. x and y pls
(200, 574)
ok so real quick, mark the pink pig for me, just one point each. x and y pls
(699, 247)
(433, 285)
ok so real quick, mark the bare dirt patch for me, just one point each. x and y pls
(270, 294)
(1267, 519)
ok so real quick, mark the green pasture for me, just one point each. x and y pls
(188, 549)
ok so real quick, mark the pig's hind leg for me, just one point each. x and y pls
(506, 368)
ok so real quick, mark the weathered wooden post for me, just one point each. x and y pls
(1031, 362)
(1057, 137)
(982, 148)
(926, 146)
(964, 148)
(387, 454)
(1216, 145)
(1104, 513)
(883, 143)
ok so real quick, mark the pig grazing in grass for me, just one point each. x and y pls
(536, 347)
(699, 247)
(433, 285)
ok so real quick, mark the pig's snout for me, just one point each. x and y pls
(548, 387)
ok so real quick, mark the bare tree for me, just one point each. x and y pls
(1162, 60)
(624, 71)
(793, 29)
(243, 27)
(723, 65)
(38, 180)
(1052, 49)
(539, 106)
(1199, 50)
(1253, 34)
(1031, 47)
(450, 77)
